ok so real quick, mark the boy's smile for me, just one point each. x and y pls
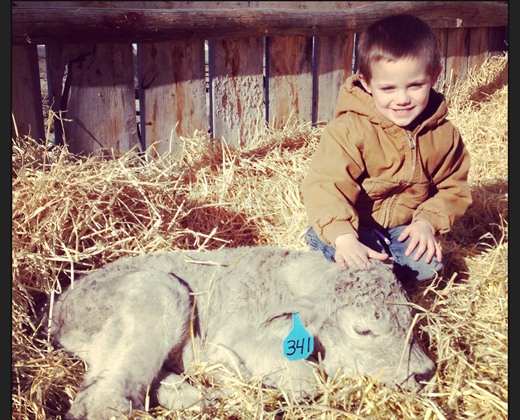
(400, 89)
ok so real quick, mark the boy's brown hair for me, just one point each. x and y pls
(396, 37)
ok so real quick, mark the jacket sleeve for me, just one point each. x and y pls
(330, 188)
(452, 195)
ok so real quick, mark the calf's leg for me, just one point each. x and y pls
(149, 319)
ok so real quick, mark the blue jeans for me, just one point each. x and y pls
(405, 267)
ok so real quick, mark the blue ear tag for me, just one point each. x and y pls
(299, 344)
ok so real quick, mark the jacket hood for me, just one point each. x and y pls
(354, 98)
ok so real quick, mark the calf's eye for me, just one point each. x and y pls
(364, 332)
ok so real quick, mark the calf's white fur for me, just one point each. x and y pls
(136, 317)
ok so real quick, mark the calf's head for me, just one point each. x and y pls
(364, 322)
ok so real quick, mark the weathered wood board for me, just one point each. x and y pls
(154, 21)
(334, 63)
(174, 88)
(26, 106)
(97, 99)
(290, 79)
(237, 86)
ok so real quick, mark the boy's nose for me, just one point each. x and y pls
(402, 97)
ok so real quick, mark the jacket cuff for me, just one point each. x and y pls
(430, 221)
(334, 229)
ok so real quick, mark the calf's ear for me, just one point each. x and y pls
(283, 318)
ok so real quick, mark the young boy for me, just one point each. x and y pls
(390, 171)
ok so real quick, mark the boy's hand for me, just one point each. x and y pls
(422, 240)
(352, 253)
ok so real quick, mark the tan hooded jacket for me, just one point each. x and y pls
(368, 171)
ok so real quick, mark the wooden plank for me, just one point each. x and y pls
(58, 57)
(289, 80)
(333, 59)
(498, 39)
(443, 42)
(97, 98)
(44, 22)
(26, 104)
(478, 46)
(484, 42)
(237, 80)
(457, 51)
(174, 87)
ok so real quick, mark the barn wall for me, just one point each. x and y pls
(125, 74)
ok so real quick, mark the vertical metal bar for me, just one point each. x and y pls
(211, 75)
(355, 50)
(315, 80)
(266, 78)
(140, 96)
(50, 93)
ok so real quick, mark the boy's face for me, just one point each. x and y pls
(400, 89)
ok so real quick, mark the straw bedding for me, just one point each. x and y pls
(72, 214)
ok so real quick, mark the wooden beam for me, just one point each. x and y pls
(45, 22)
(27, 110)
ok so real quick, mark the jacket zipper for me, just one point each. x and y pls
(412, 147)
(413, 152)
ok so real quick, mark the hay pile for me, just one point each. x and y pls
(73, 214)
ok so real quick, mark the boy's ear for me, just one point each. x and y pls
(435, 75)
(364, 82)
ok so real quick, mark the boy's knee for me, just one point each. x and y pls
(410, 269)
(316, 244)
(312, 239)
(309, 236)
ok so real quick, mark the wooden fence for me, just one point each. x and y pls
(226, 68)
